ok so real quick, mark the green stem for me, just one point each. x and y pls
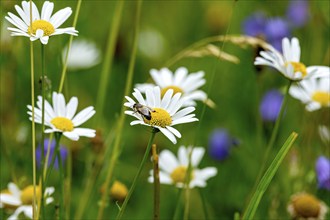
(121, 120)
(176, 211)
(61, 172)
(108, 58)
(43, 70)
(123, 207)
(271, 142)
(156, 183)
(34, 167)
(68, 184)
(51, 165)
(69, 47)
(204, 204)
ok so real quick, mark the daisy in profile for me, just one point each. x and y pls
(61, 117)
(180, 82)
(314, 93)
(160, 112)
(21, 200)
(289, 63)
(83, 54)
(173, 170)
(43, 25)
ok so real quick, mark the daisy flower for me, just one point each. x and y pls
(43, 26)
(160, 112)
(61, 117)
(180, 82)
(173, 170)
(289, 63)
(307, 207)
(83, 54)
(21, 200)
(314, 93)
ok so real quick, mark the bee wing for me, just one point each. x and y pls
(145, 111)
(150, 109)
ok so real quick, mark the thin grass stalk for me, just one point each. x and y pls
(121, 120)
(63, 74)
(108, 59)
(34, 167)
(176, 211)
(174, 59)
(206, 214)
(156, 183)
(267, 177)
(271, 142)
(43, 70)
(93, 177)
(68, 184)
(47, 157)
(146, 154)
(61, 172)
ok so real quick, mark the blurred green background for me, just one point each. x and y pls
(236, 90)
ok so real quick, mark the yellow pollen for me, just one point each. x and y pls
(27, 194)
(175, 90)
(159, 117)
(299, 67)
(62, 123)
(47, 27)
(321, 97)
(306, 206)
(179, 174)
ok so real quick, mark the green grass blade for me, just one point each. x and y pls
(267, 178)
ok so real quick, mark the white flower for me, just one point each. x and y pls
(61, 117)
(180, 81)
(43, 26)
(83, 54)
(21, 200)
(173, 170)
(164, 112)
(314, 93)
(289, 63)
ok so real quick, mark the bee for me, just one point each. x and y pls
(143, 110)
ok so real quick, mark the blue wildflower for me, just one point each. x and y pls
(63, 152)
(298, 13)
(220, 144)
(323, 172)
(275, 30)
(271, 105)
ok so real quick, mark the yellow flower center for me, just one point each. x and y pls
(179, 174)
(62, 123)
(159, 117)
(299, 67)
(175, 90)
(321, 97)
(118, 191)
(28, 193)
(306, 206)
(47, 27)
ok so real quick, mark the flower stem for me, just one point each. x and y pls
(108, 58)
(61, 172)
(43, 70)
(68, 184)
(123, 207)
(34, 167)
(116, 150)
(69, 47)
(271, 142)
(156, 182)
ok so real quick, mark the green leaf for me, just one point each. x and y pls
(267, 178)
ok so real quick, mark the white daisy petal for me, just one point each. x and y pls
(197, 156)
(168, 134)
(83, 116)
(71, 107)
(47, 10)
(174, 131)
(183, 155)
(167, 161)
(71, 135)
(86, 132)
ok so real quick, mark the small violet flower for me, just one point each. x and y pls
(323, 172)
(271, 105)
(220, 144)
(63, 152)
(298, 13)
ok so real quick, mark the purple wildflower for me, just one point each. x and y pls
(63, 152)
(255, 24)
(323, 172)
(275, 30)
(298, 13)
(220, 144)
(271, 105)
